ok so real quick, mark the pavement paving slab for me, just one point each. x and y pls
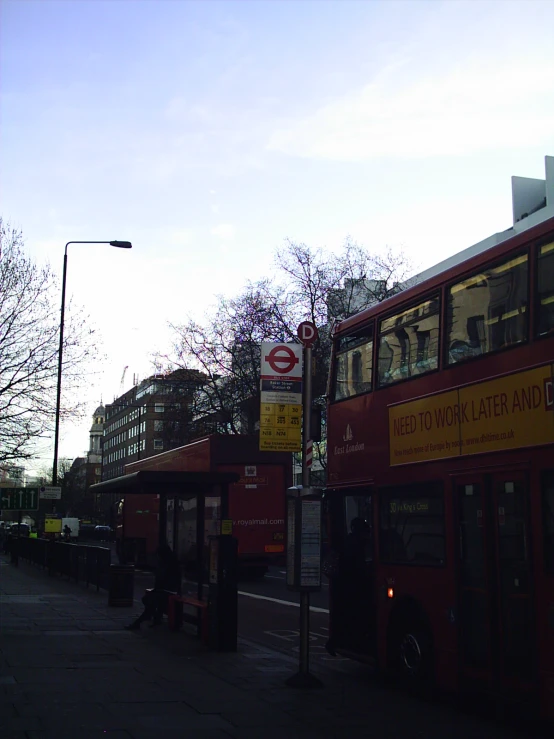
(68, 670)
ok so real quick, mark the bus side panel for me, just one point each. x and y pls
(426, 587)
(257, 508)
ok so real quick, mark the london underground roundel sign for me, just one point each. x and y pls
(282, 359)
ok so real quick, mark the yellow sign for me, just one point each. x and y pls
(506, 413)
(227, 526)
(280, 427)
(52, 525)
(409, 506)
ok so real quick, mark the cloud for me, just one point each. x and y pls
(225, 231)
(479, 106)
(180, 236)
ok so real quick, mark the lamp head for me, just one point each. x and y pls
(121, 244)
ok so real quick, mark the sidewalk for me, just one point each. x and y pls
(68, 670)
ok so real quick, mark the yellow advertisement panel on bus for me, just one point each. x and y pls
(505, 413)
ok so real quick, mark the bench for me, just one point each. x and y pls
(188, 600)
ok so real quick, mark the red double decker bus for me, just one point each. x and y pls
(441, 440)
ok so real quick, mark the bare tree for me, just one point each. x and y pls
(29, 325)
(309, 284)
(226, 351)
(327, 287)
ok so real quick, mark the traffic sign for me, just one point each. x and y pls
(49, 492)
(19, 499)
(307, 333)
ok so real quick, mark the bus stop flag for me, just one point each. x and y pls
(281, 397)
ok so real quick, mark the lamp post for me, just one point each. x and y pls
(120, 245)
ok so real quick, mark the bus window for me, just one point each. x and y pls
(409, 343)
(411, 526)
(548, 521)
(488, 311)
(359, 506)
(354, 364)
(545, 290)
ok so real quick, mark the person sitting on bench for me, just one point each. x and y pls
(167, 580)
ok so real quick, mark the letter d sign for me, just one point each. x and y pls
(307, 333)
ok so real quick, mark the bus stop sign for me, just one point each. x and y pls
(307, 333)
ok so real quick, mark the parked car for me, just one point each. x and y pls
(104, 533)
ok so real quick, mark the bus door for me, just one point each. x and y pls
(495, 586)
(352, 584)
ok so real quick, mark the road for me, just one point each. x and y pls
(269, 614)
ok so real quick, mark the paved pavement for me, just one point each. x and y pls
(68, 670)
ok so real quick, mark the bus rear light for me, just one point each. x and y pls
(390, 592)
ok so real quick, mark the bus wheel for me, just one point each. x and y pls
(413, 654)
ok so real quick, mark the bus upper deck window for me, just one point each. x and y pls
(488, 311)
(545, 290)
(353, 364)
(409, 342)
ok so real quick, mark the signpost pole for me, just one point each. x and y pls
(306, 436)
(307, 334)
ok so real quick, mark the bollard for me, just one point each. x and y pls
(121, 585)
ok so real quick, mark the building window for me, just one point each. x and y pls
(409, 343)
(159, 408)
(158, 444)
(488, 311)
(159, 426)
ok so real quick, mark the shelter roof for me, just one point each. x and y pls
(148, 482)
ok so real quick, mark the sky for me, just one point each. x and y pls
(209, 132)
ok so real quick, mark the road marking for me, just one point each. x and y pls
(286, 634)
(314, 609)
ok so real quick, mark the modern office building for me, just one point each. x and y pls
(150, 418)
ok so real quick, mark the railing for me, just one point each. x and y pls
(79, 562)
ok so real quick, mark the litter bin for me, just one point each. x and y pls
(121, 585)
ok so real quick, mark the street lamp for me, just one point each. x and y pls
(120, 245)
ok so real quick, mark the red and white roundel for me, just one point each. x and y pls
(281, 360)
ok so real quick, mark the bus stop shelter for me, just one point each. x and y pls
(173, 487)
